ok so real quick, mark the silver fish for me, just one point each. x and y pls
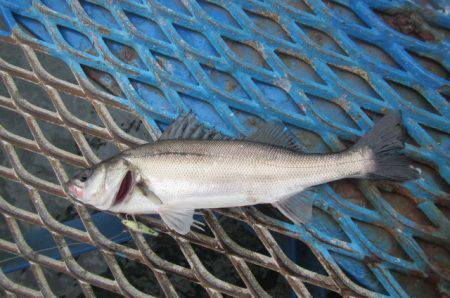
(193, 167)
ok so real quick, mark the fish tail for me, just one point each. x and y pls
(381, 148)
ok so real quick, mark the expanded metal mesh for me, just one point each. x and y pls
(325, 69)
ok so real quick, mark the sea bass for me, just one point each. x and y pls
(192, 167)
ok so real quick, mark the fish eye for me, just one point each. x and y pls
(84, 176)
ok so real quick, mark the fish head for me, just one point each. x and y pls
(103, 185)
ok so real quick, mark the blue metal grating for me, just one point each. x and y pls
(324, 68)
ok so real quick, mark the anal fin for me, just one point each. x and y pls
(297, 208)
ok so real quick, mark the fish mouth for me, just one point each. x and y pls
(126, 186)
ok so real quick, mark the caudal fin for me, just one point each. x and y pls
(384, 142)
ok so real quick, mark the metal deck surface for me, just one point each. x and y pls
(326, 69)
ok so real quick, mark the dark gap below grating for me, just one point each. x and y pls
(444, 207)
(34, 94)
(413, 96)
(14, 55)
(103, 80)
(311, 141)
(269, 210)
(58, 136)
(433, 173)
(60, 6)
(299, 253)
(242, 234)
(102, 148)
(153, 97)
(37, 165)
(326, 224)
(353, 81)
(318, 292)
(130, 123)
(332, 111)
(167, 248)
(382, 240)
(377, 53)
(301, 69)
(271, 281)
(440, 137)
(32, 27)
(14, 123)
(246, 53)
(301, 5)
(16, 194)
(251, 121)
(409, 23)
(5, 234)
(187, 288)
(359, 273)
(140, 276)
(268, 25)
(4, 161)
(406, 207)
(71, 170)
(56, 67)
(125, 53)
(3, 25)
(62, 285)
(146, 26)
(205, 112)
(60, 208)
(430, 65)
(416, 287)
(224, 81)
(279, 99)
(438, 254)
(345, 13)
(218, 265)
(197, 40)
(81, 108)
(207, 230)
(3, 91)
(24, 278)
(219, 14)
(175, 67)
(99, 14)
(100, 292)
(94, 262)
(322, 39)
(348, 189)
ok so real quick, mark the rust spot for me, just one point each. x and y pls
(231, 86)
(348, 190)
(127, 54)
(104, 31)
(410, 23)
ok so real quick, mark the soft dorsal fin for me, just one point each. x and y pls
(187, 127)
(272, 133)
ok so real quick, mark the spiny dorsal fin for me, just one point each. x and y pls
(187, 127)
(272, 133)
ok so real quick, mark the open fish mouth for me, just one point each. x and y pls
(125, 189)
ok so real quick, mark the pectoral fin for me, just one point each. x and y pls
(297, 208)
(178, 220)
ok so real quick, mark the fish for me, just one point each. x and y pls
(192, 167)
